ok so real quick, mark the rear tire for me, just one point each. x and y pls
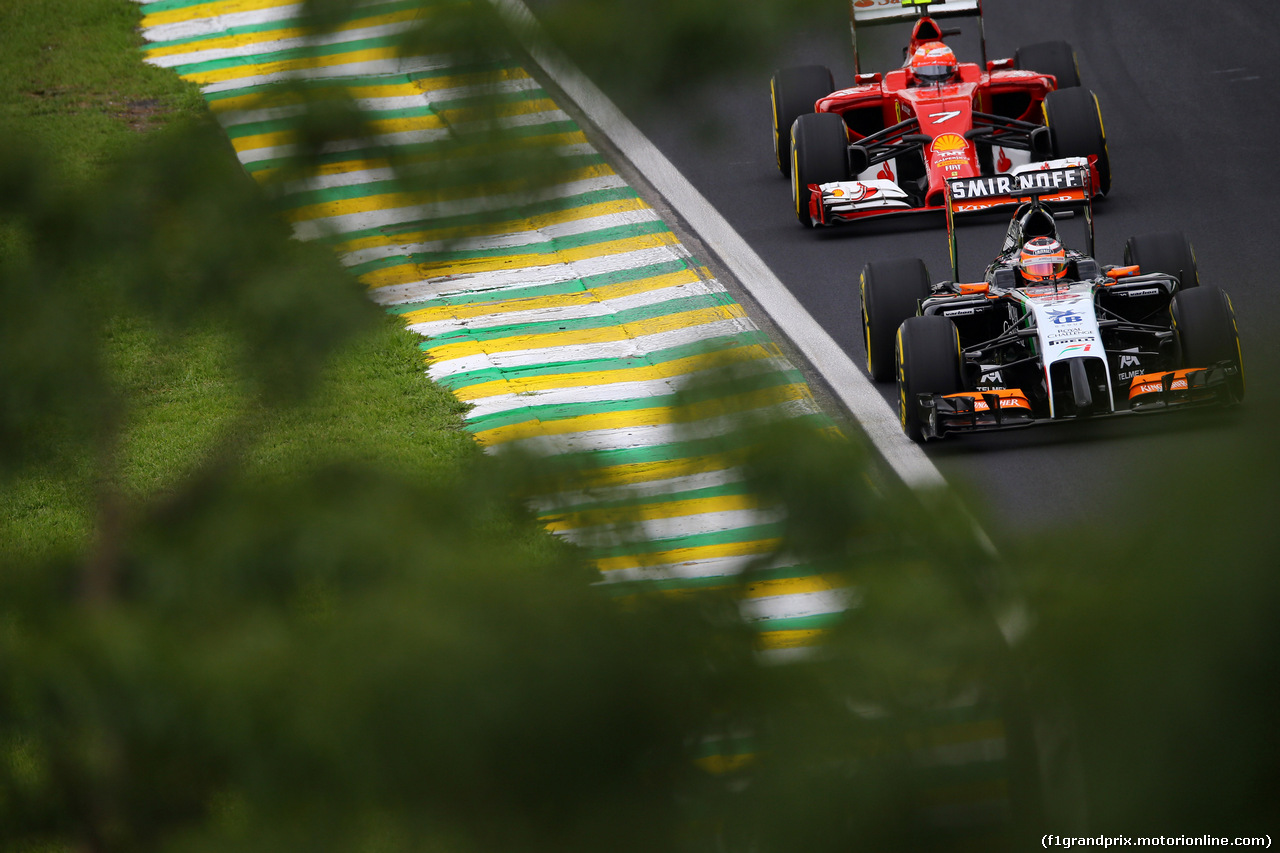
(1166, 251)
(1075, 130)
(928, 356)
(891, 292)
(1205, 324)
(794, 92)
(1050, 57)
(819, 155)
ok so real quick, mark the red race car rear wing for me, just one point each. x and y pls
(872, 12)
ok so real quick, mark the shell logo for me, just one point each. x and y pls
(949, 142)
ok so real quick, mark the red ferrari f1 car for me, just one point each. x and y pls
(1048, 334)
(889, 144)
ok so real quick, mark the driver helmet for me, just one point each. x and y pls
(934, 63)
(1043, 259)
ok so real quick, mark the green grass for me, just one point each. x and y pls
(72, 77)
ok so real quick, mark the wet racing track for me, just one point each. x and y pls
(1193, 126)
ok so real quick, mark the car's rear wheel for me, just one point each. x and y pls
(1075, 129)
(1205, 324)
(928, 356)
(891, 292)
(794, 92)
(819, 155)
(1168, 252)
(1050, 57)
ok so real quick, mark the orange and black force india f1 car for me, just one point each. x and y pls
(889, 144)
(1047, 334)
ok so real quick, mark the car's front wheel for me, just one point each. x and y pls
(1205, 324)
(794, 91)
(891, 292)
(928, 356)
(819, 155)
(1050, 57)
(1168, 252)
(1075, 130)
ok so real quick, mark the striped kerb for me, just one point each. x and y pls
(567, 315)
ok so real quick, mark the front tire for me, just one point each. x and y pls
(1050, 57)
(1205, 324)
(1075, 130)
(794, 91)
(819, 155)
(1169, 252)
(928, 356)
(891, 292)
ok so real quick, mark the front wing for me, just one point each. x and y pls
(849, 201)
(988, 411)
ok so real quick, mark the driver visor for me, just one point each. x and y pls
(934, 72)
(1047, 268)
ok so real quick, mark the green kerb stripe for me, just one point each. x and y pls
(546, 247)
(365, 12)
(394, 187)
(754, 533)
(365, 80)
(491, 374)
(417, 151)
(310, 52)
(630, 315)
(692, 449)
(278, 125)
(566, 411)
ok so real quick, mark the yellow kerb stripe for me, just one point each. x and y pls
(414, 271)
(789, 639)
(211, 10)
(391, 201)
(407, 89)
(532, 223)
(579, 337)
(240, 72)
(357, 164)
(647, 512)
(646, 373)
(683, 555)
(656, 416)
(794, 586)
(562, 300)
(285, 33)
(380, 126)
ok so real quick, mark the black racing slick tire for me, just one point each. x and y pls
(928, 356)
(794, 91)
(1050, 57)
(1205, 324)
(1075, 129)
(1168, 252)
(819, 155)
(891, 292)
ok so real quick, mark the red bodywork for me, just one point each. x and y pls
(945, 113)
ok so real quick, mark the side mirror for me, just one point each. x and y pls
(859, 160)
(1041, 144)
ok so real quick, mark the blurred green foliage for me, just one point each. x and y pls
(235, 613)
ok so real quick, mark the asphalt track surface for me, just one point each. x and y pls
(1192, 112)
